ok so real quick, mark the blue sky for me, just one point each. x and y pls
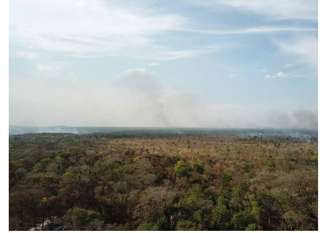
(187, 63)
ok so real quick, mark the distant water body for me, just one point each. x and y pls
(139, 131)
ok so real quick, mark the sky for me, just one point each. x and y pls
(161, 63)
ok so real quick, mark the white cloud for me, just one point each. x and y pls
(153, 64)
(275, 9)
(287, 74)
(47, 68)
(107, 28)
(88, 27)
(278, 75)
(91, 19)
(26, 55)
(251, 30)
(304, 48)
(189, 53)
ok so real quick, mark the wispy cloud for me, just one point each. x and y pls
(274, 9)
(88, 27)
(303, 48)
(110, 28)
(251, 30)
(189, 53)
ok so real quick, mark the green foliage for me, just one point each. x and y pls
(251, 227)
(182, 168)
(192, 199)
(20, 173)
(220, 214)
(148, 227)
(198, 165)
(226, 178)
(82, 219)
(183, 225)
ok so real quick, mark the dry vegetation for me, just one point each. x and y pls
(99, 182)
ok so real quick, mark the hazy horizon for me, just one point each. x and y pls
(158, 127)
(189, 63)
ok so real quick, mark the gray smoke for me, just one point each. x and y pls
(135, 98)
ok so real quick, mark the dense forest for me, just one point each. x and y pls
(102, 182)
